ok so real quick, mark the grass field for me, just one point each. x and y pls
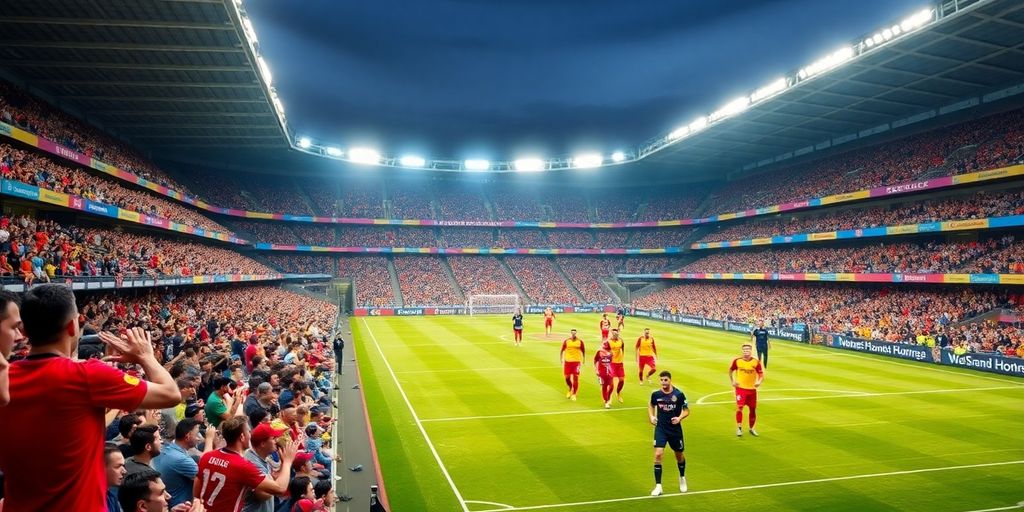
(465, 421)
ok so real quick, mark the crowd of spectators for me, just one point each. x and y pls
(424, 282)
(610, 238)
(903, 257)
(466, 237)
(364, 236)
(315, 234)
(409, 201)
(540, 280)
(414, 237)
(889, 163)
(660, 237)
(650, 265)
(517, 204)
(219, 364)
(40, 250)
(976, 205)
(266, 232)
(617, 204)
(303, 263)
(362, 200)
(481, 275)
(570, 239)
(874, 312)
(511, 238)
(461, 202)
(565, 207)
(674, 203)
(323, 192)
(585, 273)
(29, 113)
(371, 278)
(45, 172)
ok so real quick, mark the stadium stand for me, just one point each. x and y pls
(540, 280)
(585, 274)
(423, 281)
(303, 264)
(481, 275)
(371, 278)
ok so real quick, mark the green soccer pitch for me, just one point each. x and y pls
(464, 421)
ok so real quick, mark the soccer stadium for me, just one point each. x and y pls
(504, 256)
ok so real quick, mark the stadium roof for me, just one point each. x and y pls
(179, 77)
(171, 75)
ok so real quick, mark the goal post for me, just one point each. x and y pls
(484, 304)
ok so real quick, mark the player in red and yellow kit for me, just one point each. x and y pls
(572, 355)
(603, 367)
(646, 355)
(549, 321)
(606, 326)
(618, 350)
(746, 375)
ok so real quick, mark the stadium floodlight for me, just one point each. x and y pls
(828, 62)
(477, 164)
(618, 156)
(732, 108)
(412, 161)
(769, 90)
(335, 152)
(364, 156)
(917, 20)
(528, 164)
(679, 133)
(587, 161)
(305, 143)
(698, 124)
(264, 69)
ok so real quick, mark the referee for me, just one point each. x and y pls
(759, 337)
(667, 410)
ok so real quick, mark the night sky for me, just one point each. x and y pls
(503, 78)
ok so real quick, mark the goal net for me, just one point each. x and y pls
(484, 304)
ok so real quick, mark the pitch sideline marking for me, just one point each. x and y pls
(851, 394)
(416, 418)
(766, 486)
(700, 401)
(508, 507)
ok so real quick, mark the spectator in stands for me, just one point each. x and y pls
(114, 462)
(146, 444)
(175, 464)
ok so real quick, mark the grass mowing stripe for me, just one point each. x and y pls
(764, 486)
(416, 418)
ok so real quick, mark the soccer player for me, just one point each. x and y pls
(667, 410)
(572, 355)
(618, 350)
(606, 326)
(746, 375)
(549, 320)
(646, 355)
(603, 367)
(759, 337)
(517, 326)
(225, 476)
(620, 319)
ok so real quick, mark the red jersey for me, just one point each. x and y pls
(603, 361)
(53, 431)
(224, 479)
(605, 325)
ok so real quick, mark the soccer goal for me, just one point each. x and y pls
(484, 304)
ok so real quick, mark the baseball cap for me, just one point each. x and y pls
(262, 432)
(302, 458)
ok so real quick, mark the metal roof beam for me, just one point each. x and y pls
(171, 113)
(157, 124)
(158, 98)
(118, 65)
(123, 46)
(190, 136)
(130, 83)
(232, 145)
(33, 20)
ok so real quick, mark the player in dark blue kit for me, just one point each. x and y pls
(517, 326)
(667, 409)
(759, 337)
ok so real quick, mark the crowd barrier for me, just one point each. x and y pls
(34, 193)
(845, 277)
(89, 283)
(858, 195)
(988, 362)
(847, 234)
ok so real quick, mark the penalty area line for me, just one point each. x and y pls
(766, 486)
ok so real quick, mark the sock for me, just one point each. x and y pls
(606, 392)
(657, 474)
(651, 372)
(568, 382)
(682, 467)
(641, 375)
(575, 383)
(739, 417)
(622, 382)
(752, 418)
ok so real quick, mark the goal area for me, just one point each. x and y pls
(486, 304)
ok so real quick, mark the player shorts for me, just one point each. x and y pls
(604, 334)
(761, 348)
(747, 397)
(674, 440)
(647, 361)
(548, 322)
(520, 330)
(570, 368)
(619, 370)
(604, 379)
